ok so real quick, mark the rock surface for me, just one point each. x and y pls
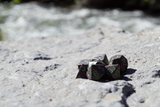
(41, 71)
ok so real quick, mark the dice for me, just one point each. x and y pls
(113, 71)
(93, 62)
(102, 58)
(100, 69)
(95, 72)
(84, 62)
(83, 68)
(121, 60)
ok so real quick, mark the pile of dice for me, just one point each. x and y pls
(99, 68)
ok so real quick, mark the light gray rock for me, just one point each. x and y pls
(41, 71)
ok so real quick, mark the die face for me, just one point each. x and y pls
(113, 70)
(95, 72)
(99, 61)
(82, 72)
(121, 60)
(116, 73)
(92, 63)
(102, 58)
(123, 69)
(83, 62)
(95, 62)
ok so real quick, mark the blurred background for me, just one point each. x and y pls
(20, 19)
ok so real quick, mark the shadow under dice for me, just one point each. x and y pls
(121, 60)
(95, 72)
(113, 71)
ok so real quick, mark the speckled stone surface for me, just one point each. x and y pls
(41, 72)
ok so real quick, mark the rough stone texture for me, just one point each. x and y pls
(41, 71)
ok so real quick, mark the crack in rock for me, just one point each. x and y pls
(42, 58)
(126, 90)
(153, 74)
(156, 73)
(116, 94)
(36, 56)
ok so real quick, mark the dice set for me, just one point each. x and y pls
(100, 69)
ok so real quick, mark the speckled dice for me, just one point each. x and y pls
(95, 72)
(100, 69)
(102, 58)
(113, 71)
(121, 60)
(84, 62)
(83, 68)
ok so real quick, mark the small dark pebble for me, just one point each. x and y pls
(123, 31)
(101, 33)
(43, 37)
(118, 51)
(141, 100)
